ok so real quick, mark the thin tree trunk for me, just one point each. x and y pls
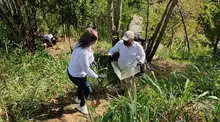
(68, 28)
(184, 25)
(111, 18)
(147, 23)
(216, 43)
(151, 40)
(62, 18)
(171, 40)
(174, 2)
(117, 19)
(64, 31)
(114, 13)
(32, 28)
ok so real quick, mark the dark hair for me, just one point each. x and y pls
(87, 39)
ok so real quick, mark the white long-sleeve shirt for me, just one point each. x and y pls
(80, 61)
(48, 36)
(128, 55)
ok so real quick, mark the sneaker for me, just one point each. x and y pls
(77, 100)
(82, 109)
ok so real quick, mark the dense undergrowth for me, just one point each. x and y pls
(29, 83)
(189, 95)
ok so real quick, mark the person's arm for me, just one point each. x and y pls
(114, 49)
(141, 53)
(84, 63)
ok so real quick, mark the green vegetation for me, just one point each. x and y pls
(29, 82)
(192, 95)
(185, 88)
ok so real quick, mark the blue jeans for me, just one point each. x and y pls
(84, 88)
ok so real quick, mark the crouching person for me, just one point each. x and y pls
(49, 40)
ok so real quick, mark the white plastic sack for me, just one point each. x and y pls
(128, 72)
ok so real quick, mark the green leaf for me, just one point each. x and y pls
(213, 97)
(203, 94)
(186, 84)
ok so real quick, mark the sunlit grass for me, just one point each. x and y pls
(191, 94)
(168, 99)
(27, 82)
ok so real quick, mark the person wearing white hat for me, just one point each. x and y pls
(130, 52)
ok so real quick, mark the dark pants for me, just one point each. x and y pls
(84, 89)
(50, 43)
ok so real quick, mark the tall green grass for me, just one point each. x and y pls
(27, 83)
(192, 95)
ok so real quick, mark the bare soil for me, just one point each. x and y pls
(61, 46)
(96, 106)
(165, 67)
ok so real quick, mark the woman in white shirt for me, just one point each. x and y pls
(79, 67)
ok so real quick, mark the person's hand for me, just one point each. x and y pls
(102, 76)
(110, 59)
(139, 64)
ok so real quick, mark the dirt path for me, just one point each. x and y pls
(97, 106)
(70, 114)
(61, 46)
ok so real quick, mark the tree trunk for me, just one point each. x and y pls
(184, 25)
(147, 23)
(111, 18)
(69, 40)
(216, 43)
(117, 19)
(174, 3)
(151, 40)
(32, 28)
(171, 40)
(114, 19)
(64, 32)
